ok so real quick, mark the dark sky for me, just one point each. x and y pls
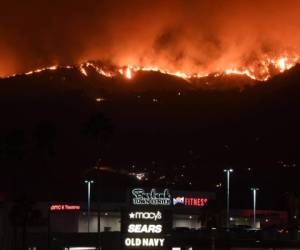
(191, 35)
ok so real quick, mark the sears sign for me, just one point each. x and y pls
(145, 229)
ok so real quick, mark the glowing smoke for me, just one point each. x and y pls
(174, 35)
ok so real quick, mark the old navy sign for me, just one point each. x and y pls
(144, 242)
(144, 230)
(153, 197)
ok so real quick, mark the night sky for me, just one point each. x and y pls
(57, 125)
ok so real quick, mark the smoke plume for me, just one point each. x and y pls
(185, 35)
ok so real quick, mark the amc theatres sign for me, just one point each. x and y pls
(152, 197)
(64, 207)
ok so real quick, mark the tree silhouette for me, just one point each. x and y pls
(22, 215)
(45, 135)
(100, 129)
(293, 199)
(12, 153)
(44, 139)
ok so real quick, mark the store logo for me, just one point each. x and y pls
(144, 228)
(62, 207)
(190, 201)
(178, 200)
(140, 197)
(146, 215)
(144, 242)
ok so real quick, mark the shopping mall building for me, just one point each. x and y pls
(145, 218)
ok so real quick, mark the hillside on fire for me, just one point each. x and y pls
(59, 122)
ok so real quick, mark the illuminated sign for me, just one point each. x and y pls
(190, 201)
(178, 200)
(144, 242)
(154, 198)
(145, 229)
(146, 215)
(64, 207)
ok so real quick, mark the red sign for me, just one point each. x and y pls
(64, 207)
(197, 202)
(190, 201)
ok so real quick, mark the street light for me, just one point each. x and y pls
(89, 182)
(254, 190)
(228, 171)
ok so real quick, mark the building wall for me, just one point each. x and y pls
(108, 222)
(187, 221)
(66, 222)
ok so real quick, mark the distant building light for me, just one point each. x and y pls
(100, 99)
(139, 176)
(231, 219)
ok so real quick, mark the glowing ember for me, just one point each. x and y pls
(128, 73)
(54, 67)
(85, 66)
(83, 71)
(240, 72)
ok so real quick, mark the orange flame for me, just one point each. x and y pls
(262, 72)
(128, 73)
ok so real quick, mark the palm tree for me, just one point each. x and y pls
(45, 134)
(13, 153)
(23, 214)
(100, 129)
(45, 137)
(293, 199)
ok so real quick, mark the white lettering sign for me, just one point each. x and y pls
(144, 242)
(146, 215)
(146, 228)
(140, 197)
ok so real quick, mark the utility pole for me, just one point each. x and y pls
(228, 171)
(89, 182)
(254, 191)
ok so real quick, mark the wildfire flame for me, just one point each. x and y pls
(261, 72)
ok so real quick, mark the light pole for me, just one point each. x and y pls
(228, 171)
(254, 191)
(89, 182)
